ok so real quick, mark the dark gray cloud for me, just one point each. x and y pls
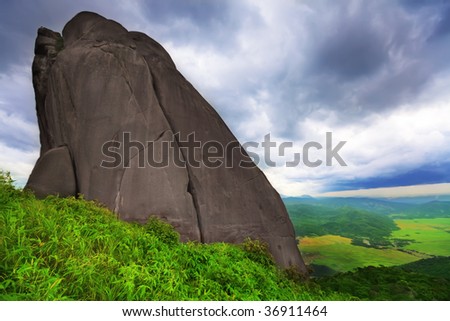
(359, 47)
(443, 27)
(16, 33)
(364, 59)
(421, 4)
(19, 23)
(402, 86)
(354, 48)
(203, 13)
(201, 23)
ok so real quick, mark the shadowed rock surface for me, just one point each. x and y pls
(100, 83)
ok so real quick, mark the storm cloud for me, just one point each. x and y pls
(375, 73)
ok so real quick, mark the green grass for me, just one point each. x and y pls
(72, 249)
(337, 253)
(430, 236)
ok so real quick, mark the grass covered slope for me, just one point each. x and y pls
(69, 249)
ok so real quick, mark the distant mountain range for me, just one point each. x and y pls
(410, 207)
(420, 199)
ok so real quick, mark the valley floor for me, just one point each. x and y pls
(426, 238)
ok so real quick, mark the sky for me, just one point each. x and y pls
(375, 74)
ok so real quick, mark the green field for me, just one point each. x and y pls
(430, 236)
(338, 253)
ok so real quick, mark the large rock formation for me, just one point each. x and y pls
(109, 102)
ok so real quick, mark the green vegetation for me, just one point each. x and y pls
(430, 236)
(72, 249)
(337, 253)
(365, 228)
(372, 249)
(361, 251)
(416, 239)
(341, 239)
(434, 209)
(437, 267)
(394, 283)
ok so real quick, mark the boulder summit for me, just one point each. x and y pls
(119, 124)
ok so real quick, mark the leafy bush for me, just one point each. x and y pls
(258, 251)
(163, 231)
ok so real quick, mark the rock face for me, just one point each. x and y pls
(112, 108)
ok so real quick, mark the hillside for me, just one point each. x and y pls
(72, 249)
(431, 209)
(437, 267)
(413, 281)
(359, 225)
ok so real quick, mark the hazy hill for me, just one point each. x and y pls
(368, 204)
(406, 208)
(419, 199)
